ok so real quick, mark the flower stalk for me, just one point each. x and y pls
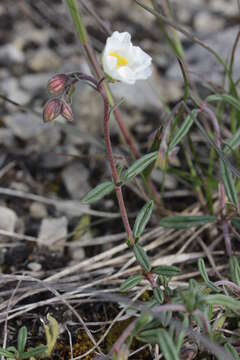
(116, 180)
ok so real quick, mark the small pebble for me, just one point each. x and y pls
(33, 266)
(38, 210)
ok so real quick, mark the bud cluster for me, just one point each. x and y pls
(59, 86)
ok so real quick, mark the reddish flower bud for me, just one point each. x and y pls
(66, 112)
(57, 84)
(52, 109)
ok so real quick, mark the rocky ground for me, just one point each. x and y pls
(45, 169)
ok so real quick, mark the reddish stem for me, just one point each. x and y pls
(94, 63)
(124, 130)
(118, 188)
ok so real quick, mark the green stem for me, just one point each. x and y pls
(78, 22)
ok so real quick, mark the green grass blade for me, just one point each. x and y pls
(183, 130)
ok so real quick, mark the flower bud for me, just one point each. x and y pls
(66, 112)
(52, 109)
(57, 84)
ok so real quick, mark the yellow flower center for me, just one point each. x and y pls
(121, 60)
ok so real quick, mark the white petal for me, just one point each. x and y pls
(126, 75)
(140, 58)
(124, 37)
(109, 64)
(144, 74)
(118, 41)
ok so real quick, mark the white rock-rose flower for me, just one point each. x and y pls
(124, 62)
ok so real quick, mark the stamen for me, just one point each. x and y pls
(121, 60)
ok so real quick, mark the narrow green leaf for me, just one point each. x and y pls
(142, 257)
(203, 272)
(166, 270)
(232, 143)
(181, 334)
(139, 165)
(22, 339)
(158, 295)
(230, 100)
(235, 270)
(220, 153)
(143, 321)
(228, 183)
(167, 346)
(236, 222)
(6, 353)
(149, 336)
(41, 349)
(98, 192)
(230, 349)
(142, 219)
(183, 130)
(223, 300)
(130, 283)
(12, 349)
(184, 222)
(155, 147)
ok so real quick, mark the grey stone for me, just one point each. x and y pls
(6, 137)
(75, 178)
(44, 60)
(10, 54)
(35, 82)
(206, 23)
(34, 266)
(226, 7)
(77, 253)
(8, 219)
(11, 88)
(28, 126)
(53, 231)
(203, 65)
(24, 126)
(38, 210)
(60, 156)
(25, 33)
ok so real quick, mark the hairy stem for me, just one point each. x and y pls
(118, 187)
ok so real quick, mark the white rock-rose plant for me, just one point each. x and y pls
(174, 316)
(123, 62)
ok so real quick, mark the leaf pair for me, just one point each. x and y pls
(107, 187)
